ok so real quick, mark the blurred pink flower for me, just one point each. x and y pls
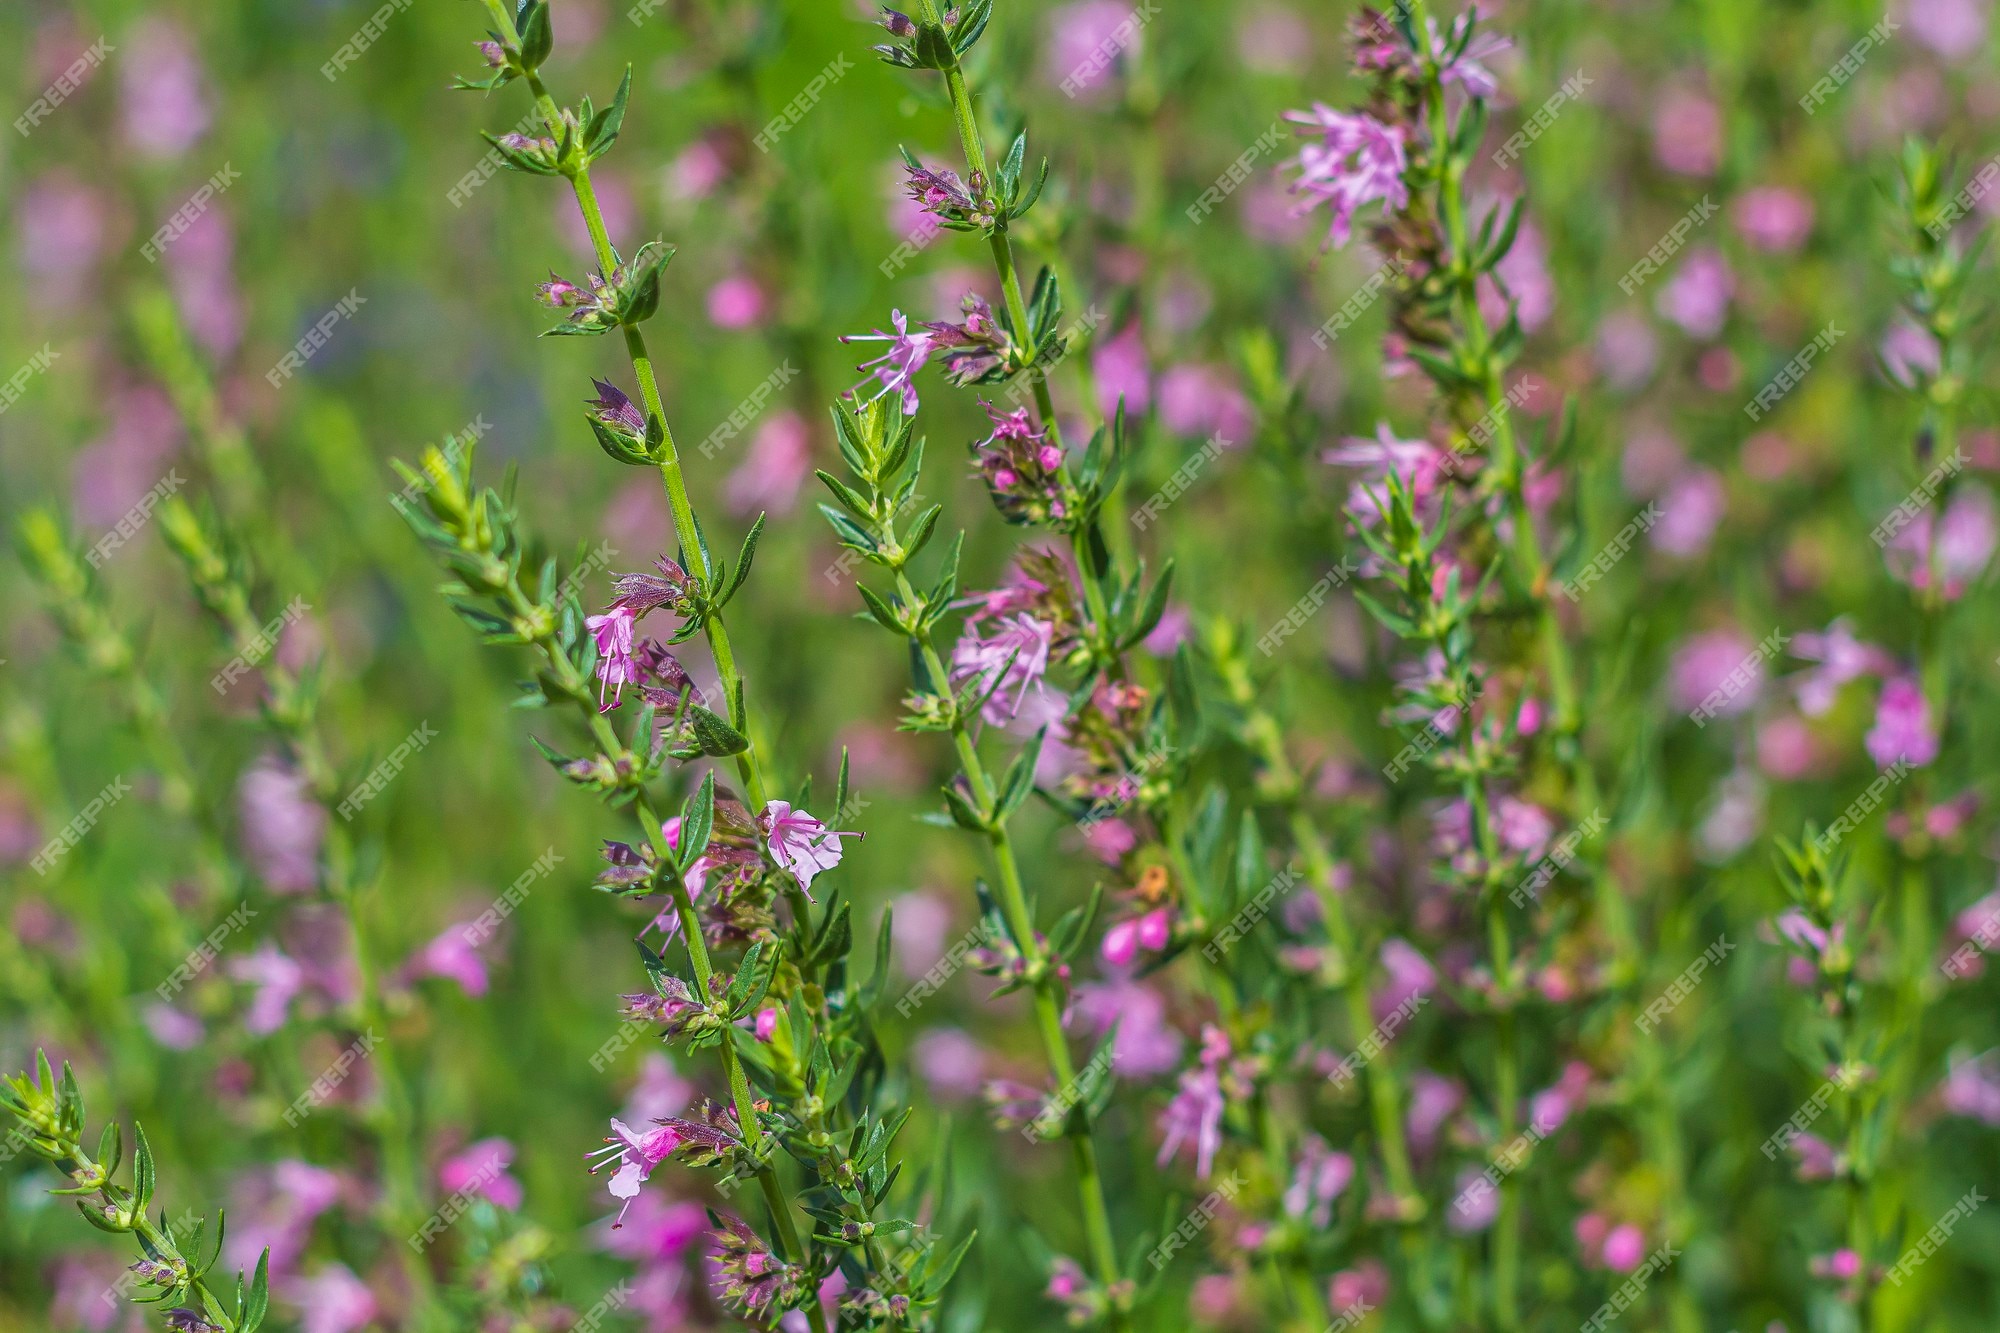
(1652, 460)
(1110, 839)
(1955, 29)
(1735, 816)
(1203, 400)
(696, 171)
(737, 302)
(1903, 728)
(1626, 350)
(1364, 1285)
(1320, 1177)
(918, 931)
(282, 825)
(1964, 543)
(778, 462)
(1434, 1099)
(1702, 663)
(1356, 161)
(1697, 296)
(332, 1300)
(1271, 39)
(1147, 1044)
(1119, 363)
(1687, 133)
(1525, 270)
(1773, 218)
(950, 1062)
(1818, 1159)
(1625, 1248)
(1689, 513)
(614, 198)
(1407, 974)
(1909, 354)
(59, 235)
(657, 1230)
(1193, 1116)
(1841, 658)
(162, 104)
(199, 267)
(82, 1282)
(1785, 749)
(117, 469)
(1086, 42)
(1972, 1088)
(278, 980)
(275, 1208)
(659, 1092)
(173, 1028)
(453, 955)
(1475, 1203)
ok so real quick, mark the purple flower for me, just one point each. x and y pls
(943, 195)
(1408, 975)
(801, 844)
(1955, 29)
(1909, 354)
(1465, 69)
(1474, 1206)
(278, 980)
(896, 368)
(654, 1231)
(1687, 134)
(1017, 652)
(481, 1168)
(616, 667)
(1193, 1118)
(1204, 400)
(1841, 658)
(1357, 160)
(951, 1064)
(737, 302)
(1119, 363)
(452, 954)
(1773, 218)
(1955, 548)
(974, 347)
(1704, 662)
(1689, 513)
(1086, 41)
(161, 100)
(613, 408)
(332, 1300)
(1697, 297)
(1420, 465)
(1972, 1088)
(751, 1278)
(1903, 728)
(1147, 1044)
(282, 825)
(636, 1154)
(1320, 1177)
(779, 461)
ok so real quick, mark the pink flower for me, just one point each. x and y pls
(1955, 29)
(951, 1064)
(1972, 1089)
(1017, 653)
(799, 843)
(1357, 161)
(1687, 134)
(1903, 728)
(1626, 350)
(1434, 1099)
(282, 825)
(1086, 42)
(278, 980)
(161, 100)
(1419, 464)
(173, 1028)
(1110, 839)
(767, 1023)
(1119, 363)
(454, 955)
(1704, 662)
(1818, 1159)
(1525, 271)
(696, 172)
(1955, 548)
(896, 368)
(1689, 513)
(1773, 218)
(659, 1092)
(737, 302)
(1408, 975)
(481, 1168)
(1842, 658)
(1193, 1118)
(332, 1300)
(1624, 1248)
(779, 460)
(1474, 1205)
(1320, 1177)
(1366, 1285)
(1147, 1044)
(1909, 354)
(1204, 400)
(616, 666)
(1697, 296)
(1273, 40)
(1785, 749)
(636, 1154)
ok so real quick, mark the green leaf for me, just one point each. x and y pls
(1020, 779)
(604, 126)
(111, 1148)
(621, 448)
(258, 1302)
(849, 532)
(885, 615)
(962, 812)
(697, 821)
(143, 1177)
(1155, 608)
(715, 736)
(537, 37)
(743, 559)
(920, 532)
